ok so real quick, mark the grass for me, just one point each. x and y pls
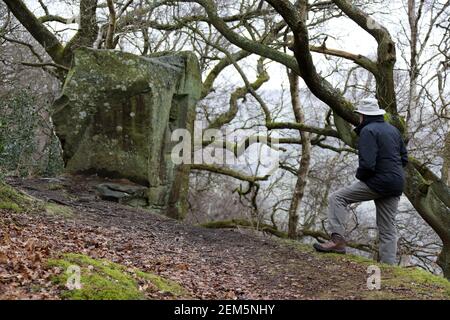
(396, 282)
(418, 280)
(13, 200)
(56, 209)
(105, 280)
(18, 202)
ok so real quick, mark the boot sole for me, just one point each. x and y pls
(321, 249)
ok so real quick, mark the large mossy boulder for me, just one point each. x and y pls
(116, 114)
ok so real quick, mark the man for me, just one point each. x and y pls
(382, 157)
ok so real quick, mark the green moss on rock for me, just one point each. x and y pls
(105, 280)
(11, 199)
(116, 115)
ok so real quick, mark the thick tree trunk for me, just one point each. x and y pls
(444, 260)
(299, 191)
(47, 39)
(431, 198)
(86, 35)
(87, 29)
(303, 169)
(446, 160)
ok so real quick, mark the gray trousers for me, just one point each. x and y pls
(386, 212)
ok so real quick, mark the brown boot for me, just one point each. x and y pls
(335, 245)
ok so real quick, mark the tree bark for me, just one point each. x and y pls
(37, 29)
(109, 43)
(87, 29)
(61, 55)
(303, 169)
(446, 160)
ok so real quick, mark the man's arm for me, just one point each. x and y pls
(368, 150)
(403, 152)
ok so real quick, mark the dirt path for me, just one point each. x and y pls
(210, 264)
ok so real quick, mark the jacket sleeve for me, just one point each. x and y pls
(403, 153)
(368, 150)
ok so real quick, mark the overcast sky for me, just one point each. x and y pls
(349, 36)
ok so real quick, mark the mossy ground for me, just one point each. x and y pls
(17, 201)
(11, 199)
(394, 279)
(210, 264)
(105, 280)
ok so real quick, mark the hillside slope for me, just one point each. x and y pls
(130, 253)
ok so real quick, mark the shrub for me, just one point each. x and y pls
(28, 145)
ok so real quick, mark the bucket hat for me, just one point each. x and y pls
(369, 106)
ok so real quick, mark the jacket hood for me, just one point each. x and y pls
(366, 121)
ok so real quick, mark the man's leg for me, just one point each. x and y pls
(339, 200)
(338, 214)
(386, 213)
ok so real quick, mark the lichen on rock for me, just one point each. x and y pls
(116, 113)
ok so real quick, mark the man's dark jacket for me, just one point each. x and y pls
(382, 156)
